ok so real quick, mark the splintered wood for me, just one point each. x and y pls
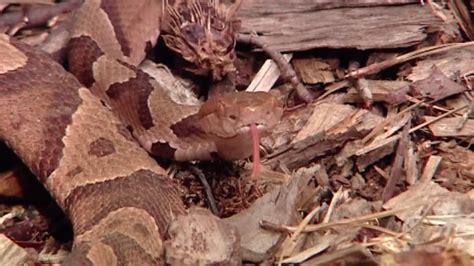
(290, 26)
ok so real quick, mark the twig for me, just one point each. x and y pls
(377, 67)
(378, 128)
(207, 189)
(292, 243)
(324, 226)
(361, 85)
(386, 141)
(429, 104)
(334, 87)
(286, 69)
(438, 118)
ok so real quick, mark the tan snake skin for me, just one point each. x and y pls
(95, 162)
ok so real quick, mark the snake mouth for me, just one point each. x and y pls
(261, 128)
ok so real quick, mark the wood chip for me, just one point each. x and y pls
(267, 75)
(447, 127)
(431, 167)
(313, 70)
(11, 253)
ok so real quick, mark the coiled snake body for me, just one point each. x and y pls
(95, 162)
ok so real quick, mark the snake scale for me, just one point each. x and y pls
(88, 135)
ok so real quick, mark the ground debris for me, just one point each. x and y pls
(378, 169)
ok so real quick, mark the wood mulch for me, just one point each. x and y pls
(377, 169)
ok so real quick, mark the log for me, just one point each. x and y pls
(300, 25)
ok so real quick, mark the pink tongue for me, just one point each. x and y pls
(256, 151)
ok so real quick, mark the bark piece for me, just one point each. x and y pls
(313, 70)
(364, 160)
(297, 26)
(323, 118)
(447, 127)
(262, 7)
(329, 127)
(455, 171)
(443, 201)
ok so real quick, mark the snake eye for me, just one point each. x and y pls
(233, 117)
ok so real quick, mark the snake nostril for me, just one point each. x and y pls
(233, 117)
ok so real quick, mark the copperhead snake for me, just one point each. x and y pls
(88, 137)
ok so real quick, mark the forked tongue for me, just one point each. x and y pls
(256, 151)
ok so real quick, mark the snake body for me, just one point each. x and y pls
(87, 136)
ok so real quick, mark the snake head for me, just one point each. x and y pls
(202, 32)
(232, 114)
(227, 119)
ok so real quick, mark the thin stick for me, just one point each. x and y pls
(377, 67)
(437, 118)
(357, 220)
(207, 189)
(380, 126)
(386, 141)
